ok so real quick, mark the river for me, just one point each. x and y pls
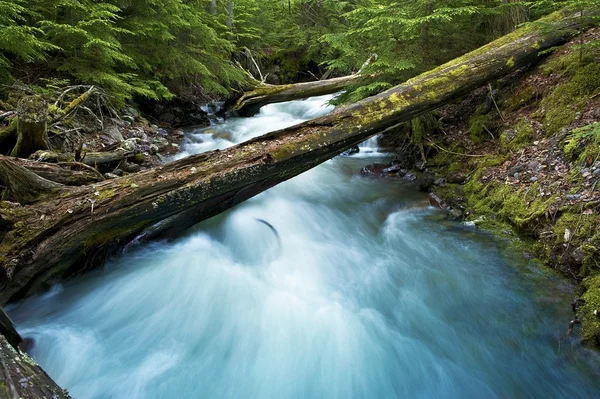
(330, 285)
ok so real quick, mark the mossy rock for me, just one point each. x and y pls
(590, 322)
(480, 128)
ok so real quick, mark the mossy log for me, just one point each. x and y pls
(102, 158)
(57, 173)
(32, 126)
(250, 102)
(75, 229)
(22, 378)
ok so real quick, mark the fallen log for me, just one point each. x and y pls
(249, 103)
(56, 173)
(21, 377)
(74, 229)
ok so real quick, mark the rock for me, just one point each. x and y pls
(161, 143)
(167, 117)
(114, 132)
(424, 182)
(179, 133)
(455, 214)
(351, 151)
(131, 167)
(533, 179)
(456, 178)
(162, 132)
(395, 169)
(533, 165)
(573, 197)
(130, 144)
(110, 176)
(118, 172)
(375, 169)
(139, 158)
(515, 170)
(420, 165)
(436, 201)
(440, 182)
(153, 149)
(576, 257)
(410, 176)
(128, 118)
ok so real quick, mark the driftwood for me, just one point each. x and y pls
(75, 228)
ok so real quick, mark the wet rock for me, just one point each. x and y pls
(376, 169)
(455, 214)
(410, 176)
(351, 151)
(425, 182)
(436, 201)
(395, 169)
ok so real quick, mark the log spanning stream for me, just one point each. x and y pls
(327, 286)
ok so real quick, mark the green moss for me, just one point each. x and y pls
(480, 127)
(525, 97)
(520, 208)
(560, 108)
(523, 135)
(590, 323)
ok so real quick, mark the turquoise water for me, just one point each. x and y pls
(362, 291)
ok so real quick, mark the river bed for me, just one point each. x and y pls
(330, 285)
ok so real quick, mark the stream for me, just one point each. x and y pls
(330, 285)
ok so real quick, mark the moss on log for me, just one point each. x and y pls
(68, 233)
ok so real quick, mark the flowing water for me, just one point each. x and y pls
(327, 286)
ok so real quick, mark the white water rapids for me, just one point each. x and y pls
(359, 291)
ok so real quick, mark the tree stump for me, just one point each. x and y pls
(32, 127)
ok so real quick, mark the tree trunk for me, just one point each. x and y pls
(70, 232)
(264, 94)
(32, 114)
(21, 377)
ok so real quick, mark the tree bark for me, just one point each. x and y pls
(58, 174)
(264, 94)
(32, 122)
(21, 377)
(68, 233)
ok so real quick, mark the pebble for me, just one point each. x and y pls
(571, 197)
(533, 179)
